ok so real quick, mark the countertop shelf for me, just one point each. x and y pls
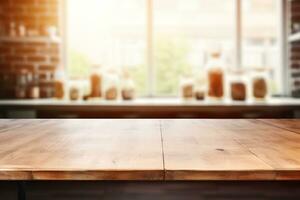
(33, 39)
(156, 149)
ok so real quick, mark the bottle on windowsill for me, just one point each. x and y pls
(96, 82)
(215, 76)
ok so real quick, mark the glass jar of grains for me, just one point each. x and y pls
(260, 83)
(187, 87)
(111, 85)
(127, 86)
(237, 84)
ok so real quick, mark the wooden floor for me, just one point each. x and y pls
(198, 149)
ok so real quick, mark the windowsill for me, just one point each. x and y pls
(152, 102)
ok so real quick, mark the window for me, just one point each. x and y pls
(183, 31)
(160, 40)
(110, 33)
(260, 37)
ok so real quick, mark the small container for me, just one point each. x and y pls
(75, 90)
(22, 30)
(187, 87)
(215, 76)
(59, 84)
(21, 84)
(111, 86)
(260, 83)
(96, 82)
(86, 90)
(200, 86)
(128, 87)
(74, 93)
(237, 84)
(199, 94)
(34, 89)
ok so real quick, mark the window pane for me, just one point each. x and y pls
(111, 33)
(183, 32)
(260, 37)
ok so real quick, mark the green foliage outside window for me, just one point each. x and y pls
(170, 60)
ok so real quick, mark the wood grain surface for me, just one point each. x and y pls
(81, 149)
(179, 149)
(288, 124)
(229, 150)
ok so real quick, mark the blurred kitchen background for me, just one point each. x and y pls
(149, 58)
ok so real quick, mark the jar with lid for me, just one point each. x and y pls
(238, 84)
(21, 84)
(128, 87)
(215, 75)
(111, 85)
(187, 87)
(260, 83)
(96, 81)
(59, 84)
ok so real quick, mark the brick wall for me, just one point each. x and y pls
(36, 53)
(295, 50)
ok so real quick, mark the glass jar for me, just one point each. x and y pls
(187, 87)
(96, 82)
(260, 83)
(111, 85)
(215, 76)
(75, 90)
(59, 84)
(86, 89)
(33, 88)
(200, 86)
(128, 87)
(21, 84)
(237, 84)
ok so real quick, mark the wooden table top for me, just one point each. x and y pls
(140, 149)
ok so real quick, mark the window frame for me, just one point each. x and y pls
(238, 42)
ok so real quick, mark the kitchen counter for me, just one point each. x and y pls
(150, 108)
(41, 159)
(150, 149)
